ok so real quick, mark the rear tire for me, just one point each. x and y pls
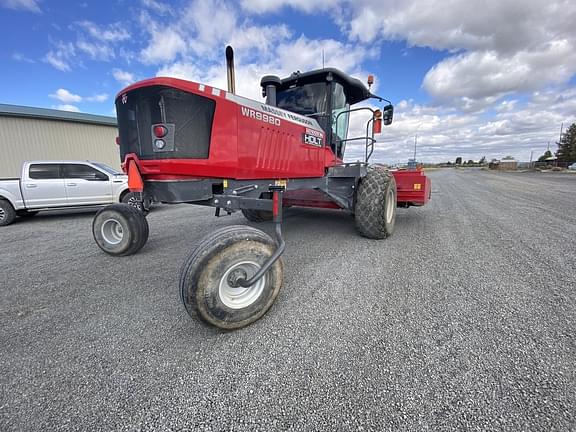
(120, 229)
(257, 215)
(204, 285)
(7, 213)
(375, 209)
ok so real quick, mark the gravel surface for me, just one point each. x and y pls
(464, 319)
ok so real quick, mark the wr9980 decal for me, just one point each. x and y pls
(260, 116)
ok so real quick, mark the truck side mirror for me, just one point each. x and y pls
(387, 114)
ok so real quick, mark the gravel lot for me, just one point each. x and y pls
(465, 319)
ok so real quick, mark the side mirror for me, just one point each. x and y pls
(387, 114)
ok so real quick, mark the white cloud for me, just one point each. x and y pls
(27, 5)
(485, 76)
(446, 133)
(60, 56)
(103, 97)
(22, 58)
(93, 41)
(96, 51)
(498, 48)
(67, 107)
(165, 45)
(264, 6)
(123, 77)
(156, 6)
(111, 33)
(502, 47)
(66, 96)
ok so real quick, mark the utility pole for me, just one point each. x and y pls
(415, 141)
(531, 154)
(561, 127)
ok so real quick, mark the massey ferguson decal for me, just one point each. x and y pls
(286, 114)
(258, 111)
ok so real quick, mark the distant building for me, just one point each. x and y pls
(28, 133)
(505, 164)
(508, 164)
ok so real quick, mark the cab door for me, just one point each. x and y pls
(86, 185)
(43, 186)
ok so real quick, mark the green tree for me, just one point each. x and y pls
(483, 160)
(567, 145)
(458, 160)
(470, 162)
(545, 156)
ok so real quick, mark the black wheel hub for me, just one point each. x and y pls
(235, 276)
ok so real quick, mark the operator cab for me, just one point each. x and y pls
(324, 95)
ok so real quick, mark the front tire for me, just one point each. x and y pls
(7, 213)
(375, 209)
(120, 229)
(205, 284)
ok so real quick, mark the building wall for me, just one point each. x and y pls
(23, 139)
(508, 165)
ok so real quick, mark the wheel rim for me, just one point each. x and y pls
(390, 206)
(239, 297)
(132, 201)
(2, 214)
(112, 231)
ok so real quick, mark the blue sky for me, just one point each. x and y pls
(494, 82)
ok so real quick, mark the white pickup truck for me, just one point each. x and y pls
(50, 185)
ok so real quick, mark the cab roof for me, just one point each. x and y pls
(354, 89)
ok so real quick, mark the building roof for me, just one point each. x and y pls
(52, 114)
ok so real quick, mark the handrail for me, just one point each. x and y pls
(368, 138)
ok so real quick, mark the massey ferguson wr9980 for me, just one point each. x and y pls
(184, 142)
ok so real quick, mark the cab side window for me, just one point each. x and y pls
(44, 171)
(85, 172)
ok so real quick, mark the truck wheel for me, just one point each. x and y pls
(375, 209)
(7, 213)
(205, 278)
(257, 215)
(120, 229)
(133, 199)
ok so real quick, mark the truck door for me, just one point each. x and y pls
(43, 186)
(86, 185)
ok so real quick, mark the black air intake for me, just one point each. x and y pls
(188, 116)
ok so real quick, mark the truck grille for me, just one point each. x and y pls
(191, 115)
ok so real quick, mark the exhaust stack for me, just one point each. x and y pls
(230, 69)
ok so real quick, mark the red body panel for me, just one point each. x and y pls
(244, 147)
(413, 187)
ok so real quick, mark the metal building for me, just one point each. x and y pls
(28, 133)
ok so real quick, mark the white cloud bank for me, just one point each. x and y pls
(502, 86)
